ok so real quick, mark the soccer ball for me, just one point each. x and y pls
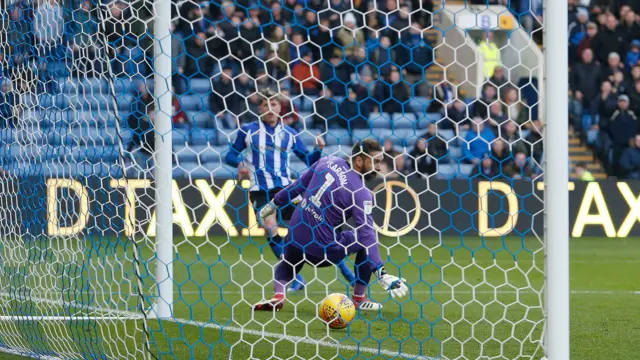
(337, 310)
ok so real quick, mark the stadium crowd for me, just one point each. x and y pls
(349, 63)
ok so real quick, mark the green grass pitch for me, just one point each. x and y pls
(473, 298)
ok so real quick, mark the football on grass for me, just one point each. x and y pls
(337, 310)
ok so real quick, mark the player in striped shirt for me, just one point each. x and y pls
(267, 144)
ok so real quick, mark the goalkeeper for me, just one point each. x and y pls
(269, 143)
(333, 192)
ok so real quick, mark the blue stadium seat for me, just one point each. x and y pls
(446, 135)
(204, 136)
(96, 154)
(447, 171)
(200, 86)
(380, 120)
(455, 152)
(192, 102)
(180, 136)
(338, 137)
(213, 155)
(7, 136)
(297, 168)
(201, 119)
(401, 121)
(186, 155)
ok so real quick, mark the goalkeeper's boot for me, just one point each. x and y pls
(274, 304)
(362, 303)
(298, 284)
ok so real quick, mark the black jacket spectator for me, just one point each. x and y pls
(7, 104)
(396, 95)
(605, 103)
(630, 161)
(335, 76)
(584, 78)
(429, 149)
(222, 86)
(325, 114)
(481, 106)
(486, 169)
(609, 40)
(199, 61)
(622, 127)
(353, 114)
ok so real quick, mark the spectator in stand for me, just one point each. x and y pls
(478, 142)
(619, 83)
(199, 62)
(353, 114)
(445, 93)
(335, 75)
(394, 159)
(583, 82)
(486, 169)
(143, 136)
(305, 74)
(499, 79)
(510, 133)
(7, 105)
(396, 95)
(497, 116)
(629, 26)
(577, 32)
(500, 155)
(48, 27)
(592, 32)
(321, 37)
(382, 56)
(583, 173)
(533, 141)
(349, 36)
(179, 116)
(491, 54)
(143, 99)
(633, 56)
(222, 87)
(630, 161)
(514, 108)
(429, 149)
(288, 112)
(325, 114)
(456, 116)
(520, 168)
(613, 66)
(605, 103)
(609, 40)
(297, 49)
(280, 47)
(621, 129)
(481, 106)
(177, 47)
(634, 96)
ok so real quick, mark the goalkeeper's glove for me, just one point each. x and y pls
(266, 211)
(394, 285)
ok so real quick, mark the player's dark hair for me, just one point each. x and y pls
(267, 94)
(581, 165)
(365, 146)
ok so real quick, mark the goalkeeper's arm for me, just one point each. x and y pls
(288, 195)
(368, 237)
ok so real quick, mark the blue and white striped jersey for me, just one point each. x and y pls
(266, 153)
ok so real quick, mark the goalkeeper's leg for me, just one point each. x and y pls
(286, 270)
(363, 268)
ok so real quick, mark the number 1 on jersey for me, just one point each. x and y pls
(328, 181)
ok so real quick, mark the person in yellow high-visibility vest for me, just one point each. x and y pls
(491, 53)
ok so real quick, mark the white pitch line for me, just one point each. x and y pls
(26, 354)
(241, 331)
(300, 339)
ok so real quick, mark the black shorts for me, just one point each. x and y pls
(260, 198)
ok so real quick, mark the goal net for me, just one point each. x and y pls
(135, 151)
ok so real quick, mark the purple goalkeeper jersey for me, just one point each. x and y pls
(332, 193)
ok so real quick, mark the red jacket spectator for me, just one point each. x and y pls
(306, 74)
(179, 117)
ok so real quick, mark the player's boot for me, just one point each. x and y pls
(298, 284)
(274, 304)
(363, 304)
